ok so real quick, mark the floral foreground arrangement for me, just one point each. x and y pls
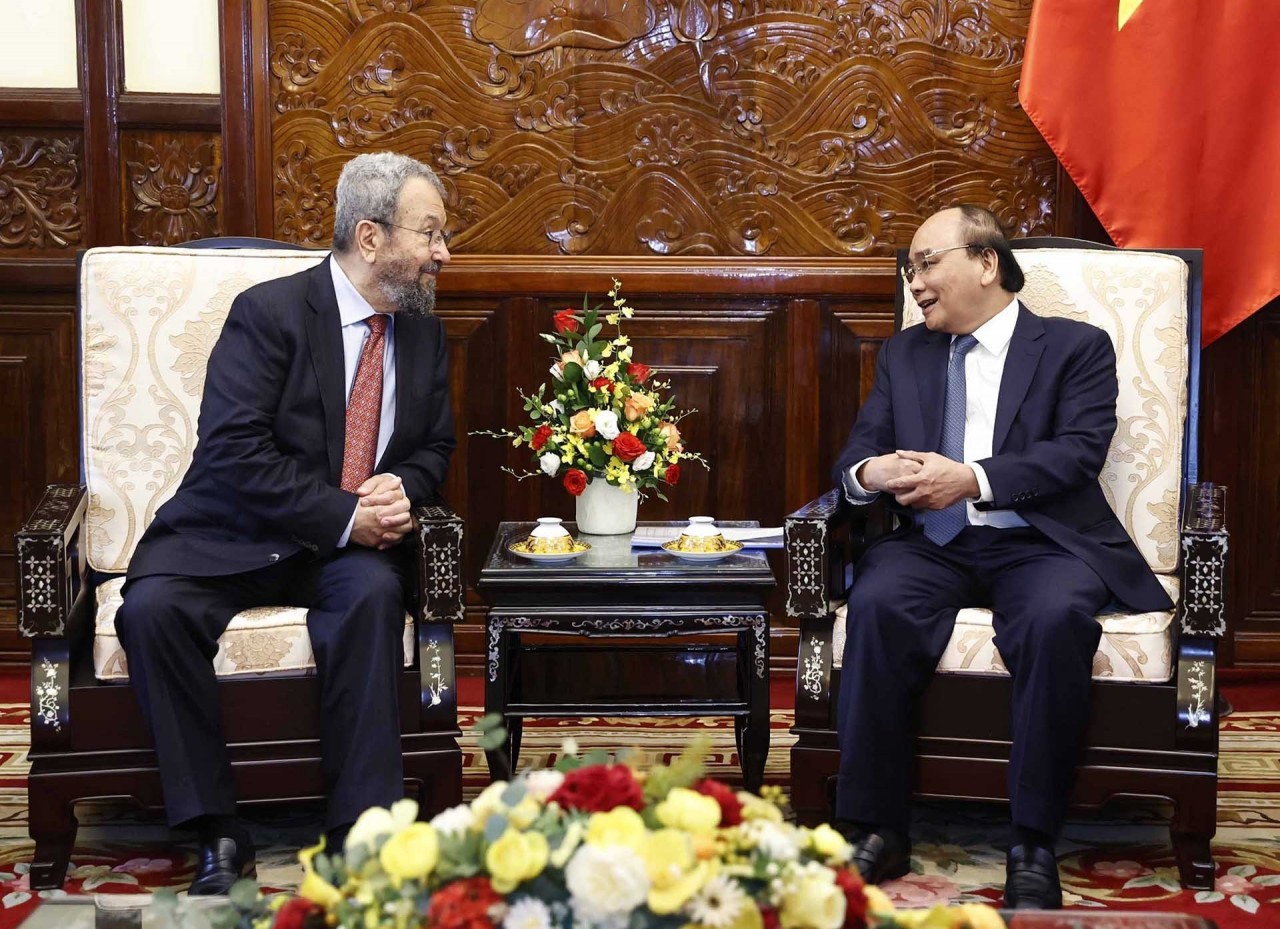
(590, 845)
(605, 418)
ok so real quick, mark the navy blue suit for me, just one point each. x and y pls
(257, 520)
(1055, 419)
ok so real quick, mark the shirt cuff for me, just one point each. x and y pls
(351, 524)
(985, 494)
(855, 492)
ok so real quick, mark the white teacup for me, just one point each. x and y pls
(550, 537)
(701, 535)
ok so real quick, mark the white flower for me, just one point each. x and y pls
(606, 880)
(373, 824)
(557, 406)
(544, 782)
(569, 747)
(774, 839)
(454, 821)
(718, 903)
(644, 462)
(607, 424)
(550, 464)
(527, 913)
(592, 369)
(557, 372)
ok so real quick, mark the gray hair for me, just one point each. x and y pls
(369, 188)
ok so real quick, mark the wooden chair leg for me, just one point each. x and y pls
(53, 828)
(1195, 858)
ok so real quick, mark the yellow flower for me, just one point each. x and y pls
(489, 802)
(675, 874)
(525, 812)
(830, 844)
(877, 902)
(515, 858)
(755, 808)
(314, 887)
(611, 319)
(583, 424)
(620, 826)
(688, 810)
(568, 845)
(980, 916)
(814, 903)
(410, 854)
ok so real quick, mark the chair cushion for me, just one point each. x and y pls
(1134, 646)
(149, 317)
(1139, 299)
(258, 641)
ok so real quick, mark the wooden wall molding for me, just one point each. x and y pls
(41, 193)
(172, 183)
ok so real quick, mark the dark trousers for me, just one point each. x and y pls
(169, 626)
(902, 610)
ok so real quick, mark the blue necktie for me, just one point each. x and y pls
(941, 526)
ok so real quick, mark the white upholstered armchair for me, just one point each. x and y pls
(1153, 729)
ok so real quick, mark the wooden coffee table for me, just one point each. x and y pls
(582, 611)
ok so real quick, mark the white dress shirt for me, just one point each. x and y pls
(353, 310)
(983, 369)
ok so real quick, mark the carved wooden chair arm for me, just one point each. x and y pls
(50, 561)
(437, 544)
(818, 539)
(1202, 621)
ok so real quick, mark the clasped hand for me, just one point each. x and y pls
(382, 515)
(924, 480)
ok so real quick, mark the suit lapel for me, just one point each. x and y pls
(1025, 349)
(931, 381)
(324, 335)
(415, 347)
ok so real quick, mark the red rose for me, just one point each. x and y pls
(855, 897)
(602, 383)
(730, 806)
(599, 788)
(575, 481)
(463, 904)
(627, 447)
(299, 913)
(565, 322)
(638, 371)
(672, 474)
(540, 436)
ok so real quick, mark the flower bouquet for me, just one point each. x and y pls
(605, 418)
(594, 844)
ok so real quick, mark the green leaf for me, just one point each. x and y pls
(1243, 870)
(1245, 902)
(1146, 880)
(494, 827)
(599, 458)
(1209, 896)
(493, 740)
(244, 893)
(1267, 880)
(549, 337)
(514, 793)
(572, 373)
(490, 720)
(594, 331)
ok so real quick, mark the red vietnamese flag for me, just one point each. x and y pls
(1166, 114)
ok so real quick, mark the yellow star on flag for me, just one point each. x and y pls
(1127, 9)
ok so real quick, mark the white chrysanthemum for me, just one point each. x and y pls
(550, 463)
(644, 462)
(527, 913)
(592, 369)
(718, 903)
(454, 821)
(544, 782)
(606, 880)
(773, 839)
(607, 424)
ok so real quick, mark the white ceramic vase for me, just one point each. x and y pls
(603, 509)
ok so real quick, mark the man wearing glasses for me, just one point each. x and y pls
(325, 416)
(988, 427)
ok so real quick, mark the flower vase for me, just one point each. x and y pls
(603, 509)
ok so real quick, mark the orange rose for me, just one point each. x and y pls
(672, 435)
(637, 407)
(583, 424)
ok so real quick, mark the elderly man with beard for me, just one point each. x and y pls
(326, 415)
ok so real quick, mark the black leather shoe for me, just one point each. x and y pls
(1031, 879)
(882, 855)
(223, 861)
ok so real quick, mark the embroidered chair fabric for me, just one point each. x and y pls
(1154, 672)
(148, 320)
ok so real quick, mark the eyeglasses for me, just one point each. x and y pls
(435, 239)
(927, 261)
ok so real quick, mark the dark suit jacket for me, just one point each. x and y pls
(264, 481)
(1055, 418)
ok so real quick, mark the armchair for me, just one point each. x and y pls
(148, 319)
(1153, 729)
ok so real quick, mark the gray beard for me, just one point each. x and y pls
(409, 296)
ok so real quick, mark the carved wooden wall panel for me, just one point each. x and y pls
(41, 193)
(172, 185)
(684, 127)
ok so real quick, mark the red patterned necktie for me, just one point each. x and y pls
(364, 409)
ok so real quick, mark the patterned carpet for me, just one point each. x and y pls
(1122, 861)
